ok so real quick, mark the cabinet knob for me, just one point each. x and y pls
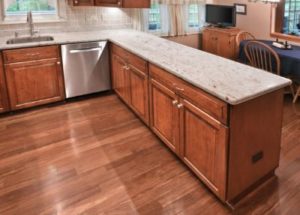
(175, 102)
(179, 89)
(119, 2)
(58, 63)
(75, 2)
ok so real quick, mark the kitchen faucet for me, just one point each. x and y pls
(30, 22)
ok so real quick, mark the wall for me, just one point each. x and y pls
(192, 40)
(258, 18)
(78, 19)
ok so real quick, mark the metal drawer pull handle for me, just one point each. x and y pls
(179, 89)
(179, 106)
(85, 50)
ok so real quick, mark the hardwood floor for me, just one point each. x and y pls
(96, 157)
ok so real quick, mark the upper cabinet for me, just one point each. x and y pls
(112, 3)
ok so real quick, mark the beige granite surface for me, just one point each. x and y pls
(229, 81)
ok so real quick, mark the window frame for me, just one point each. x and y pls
(160, 21)
(59, 16)
(189, 13)
(277, 15)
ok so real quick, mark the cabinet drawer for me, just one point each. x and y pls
(213, 106)
(30, 54)
(130, 58)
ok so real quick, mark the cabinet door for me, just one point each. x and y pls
(226, 46)
(210, 42)
(136, 4)
(83, 2)
(3, 90)
(109, 3)
(139, 93)
(204, 146)
(34, 83)
(120, 78)
(164, 114)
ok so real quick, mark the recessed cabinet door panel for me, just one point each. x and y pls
(139, 93)
(164, 115)
(204, 146)
(3, 90)
(109, 3)
(120, 78)
(226, 46)
(34, 83)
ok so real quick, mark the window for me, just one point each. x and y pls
(15, 11)
(291, 20)
(193, 14)
(154, 18)
(21, 7)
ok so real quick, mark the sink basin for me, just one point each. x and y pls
(29, 39)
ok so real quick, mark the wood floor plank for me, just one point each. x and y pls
(95, 156)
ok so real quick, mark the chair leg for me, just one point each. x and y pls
(297, 95)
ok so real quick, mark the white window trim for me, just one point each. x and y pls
(201, 15)
(60, 16)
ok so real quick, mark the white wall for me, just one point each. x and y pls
(78, 19)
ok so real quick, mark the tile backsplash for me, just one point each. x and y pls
(78, 19)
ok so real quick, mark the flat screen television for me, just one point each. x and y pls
(220, 15)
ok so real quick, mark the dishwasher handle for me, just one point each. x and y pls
(75, 51)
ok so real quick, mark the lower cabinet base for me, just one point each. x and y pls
(233, 204)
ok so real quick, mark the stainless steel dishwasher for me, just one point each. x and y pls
(86, 68)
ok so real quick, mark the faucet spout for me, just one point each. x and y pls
(30, 23)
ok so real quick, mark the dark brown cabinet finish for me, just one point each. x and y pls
(4, 106)
(164, 114)
(112, 3)
(82, 2)
(130, 81)
(109, 3)
(33, 82)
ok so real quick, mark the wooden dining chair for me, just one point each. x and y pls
(262, 56)
(297, 94)
(241, 36)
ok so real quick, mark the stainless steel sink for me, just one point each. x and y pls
(29, 39)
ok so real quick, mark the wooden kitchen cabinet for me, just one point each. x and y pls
(220, 41)
(34, 76)
(112, 3)
(139, 92)
(120, 78)
(204, 146)
(4, 104)
(164, 114)
(82, 2)
(109, 3)
(130, 81)
(185, 124)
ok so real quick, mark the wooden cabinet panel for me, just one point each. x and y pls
(109, 3)
(136, 4)
(164, 115)
(220, 41)
(139, 93)
(213, 106)
(30, 54)
(4, 106)
(82, 2)
(120, 78)
(204, 146)
(34, 83)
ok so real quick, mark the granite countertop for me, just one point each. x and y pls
(229, 81)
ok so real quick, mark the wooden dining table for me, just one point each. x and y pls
(290, 59)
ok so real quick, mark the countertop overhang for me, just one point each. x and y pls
(225, 79)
